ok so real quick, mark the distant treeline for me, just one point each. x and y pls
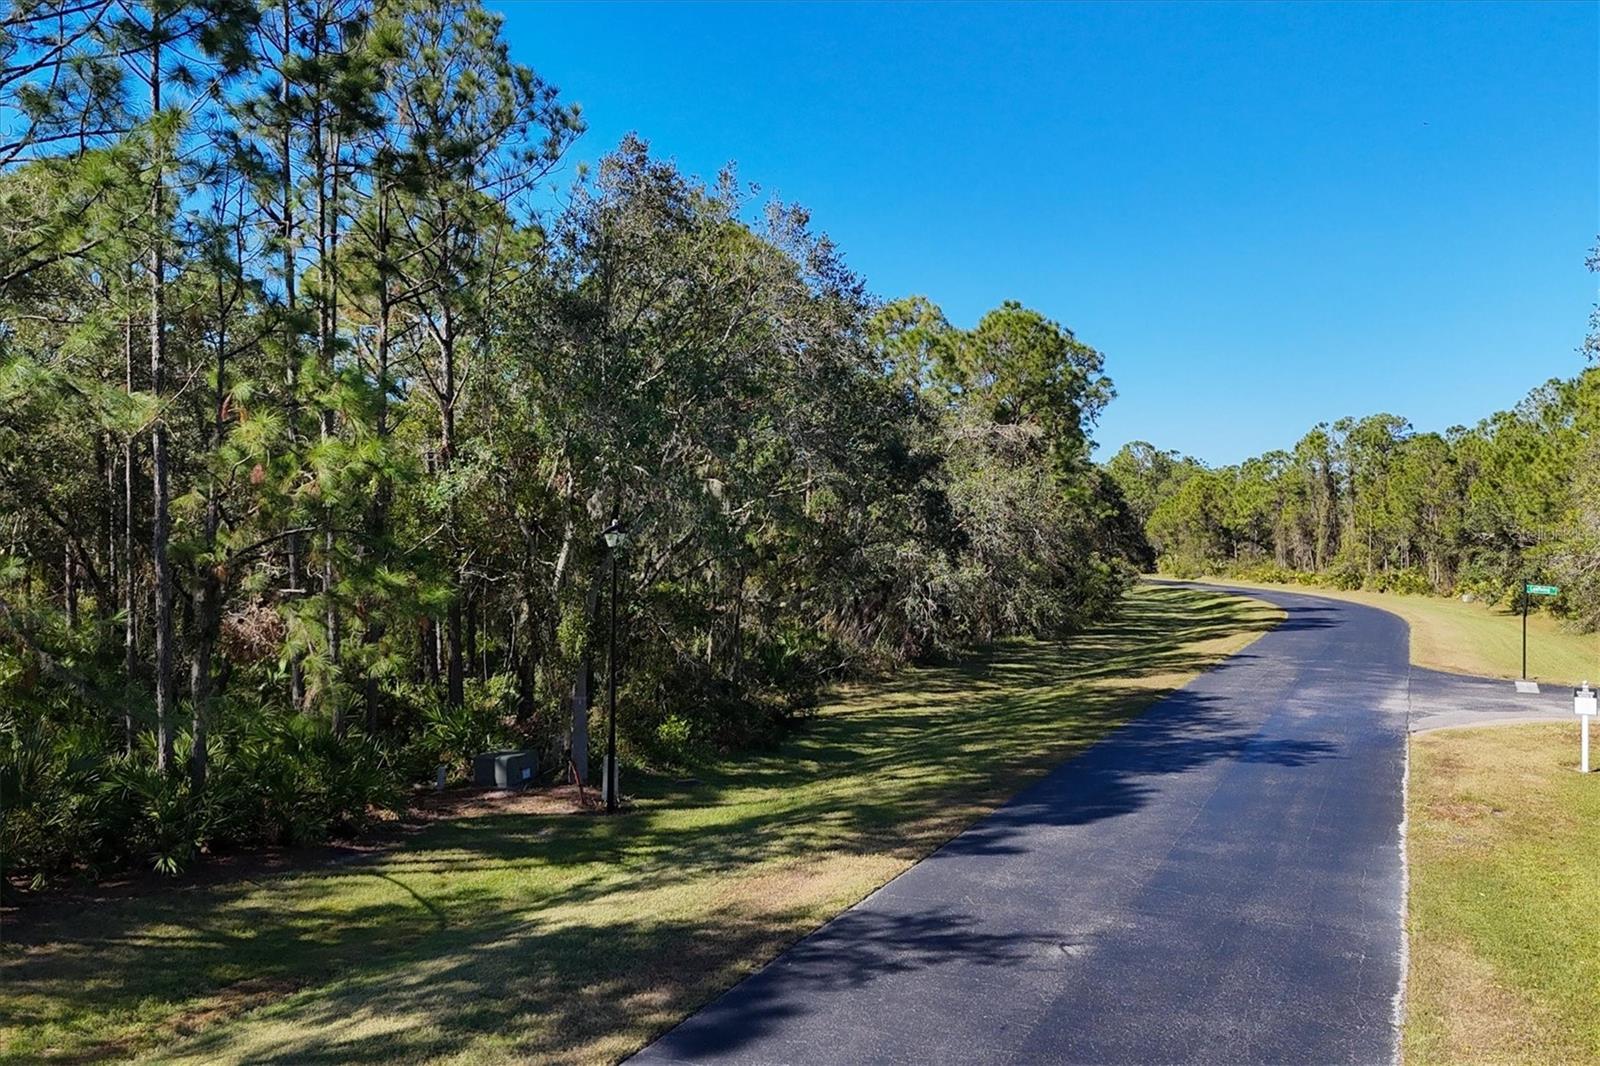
(321, 383)
(1370, 503)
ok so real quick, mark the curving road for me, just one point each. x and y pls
(1219, 881)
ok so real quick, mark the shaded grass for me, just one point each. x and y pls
(1475, 638)
(1504, 838)
(579, 938)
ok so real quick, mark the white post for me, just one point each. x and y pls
(1585, 704)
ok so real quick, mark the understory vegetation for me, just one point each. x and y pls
(322, 382)
(527, 937)
(1372, 504)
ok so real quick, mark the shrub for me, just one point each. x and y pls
(690, 716)
(289, 780)
(453, 735)
(275, 778)
(1489, 583)
(1411, 581)
(674, 740)
(1267, 573)
(148, 816)
(1184, 569)
(1345, 575)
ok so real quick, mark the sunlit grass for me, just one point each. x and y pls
(1503, 843)
(578, 938)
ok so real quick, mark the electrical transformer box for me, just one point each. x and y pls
(504, 769)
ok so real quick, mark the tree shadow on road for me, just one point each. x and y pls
(1186, 732)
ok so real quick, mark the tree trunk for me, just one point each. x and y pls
(583, 684)
(69, 583)
(378, 508)
(455, 691)
(472, 633)
(207, 623)
(130, 628)
(106, 598)
(521, 653)
(322, 136)
(558, 581)
(736, 644)
(430, 651)
(297, 676)
(578, 742)
(206, 601)
(160, 516)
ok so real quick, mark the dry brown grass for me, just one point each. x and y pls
(1504, 848)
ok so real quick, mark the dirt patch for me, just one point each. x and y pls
(1470, 1016)
(110, 1050)
(1462, 812)
(235, 999)
(786, 888)
(477, 802)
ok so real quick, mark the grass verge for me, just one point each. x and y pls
(1503, 841)
(1474, 638)
(579, 938)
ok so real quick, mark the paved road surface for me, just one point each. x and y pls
(1219, 881)
(1440, 700)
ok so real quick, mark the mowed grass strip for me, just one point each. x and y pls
(1504, 850)
(577, 937)
(1475, 638)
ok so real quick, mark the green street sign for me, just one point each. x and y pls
(1541, 590)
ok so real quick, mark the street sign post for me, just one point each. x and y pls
(1585, 704)
(1529, 589)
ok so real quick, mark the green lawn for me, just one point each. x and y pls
(576, 937)
(1504, 848)
(1473, 638)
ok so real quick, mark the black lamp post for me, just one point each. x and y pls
(615, 539)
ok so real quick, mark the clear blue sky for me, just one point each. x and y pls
(1265, 216)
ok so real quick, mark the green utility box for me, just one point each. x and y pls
(504, 769)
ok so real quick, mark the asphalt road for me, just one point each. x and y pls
(1219, 881)
(1440, 701)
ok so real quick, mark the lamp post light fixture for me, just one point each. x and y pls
(615, 540)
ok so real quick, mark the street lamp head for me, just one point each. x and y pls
(615, 538)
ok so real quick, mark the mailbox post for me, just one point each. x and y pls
(1585, 704)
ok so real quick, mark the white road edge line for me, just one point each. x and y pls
(1398, 1014)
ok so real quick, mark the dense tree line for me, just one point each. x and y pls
(1371, 503)
(321, 381)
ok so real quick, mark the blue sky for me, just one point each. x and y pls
(1265, 216)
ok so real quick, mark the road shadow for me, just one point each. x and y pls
(850, 952)
(1119, 775)
(1310, 618)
